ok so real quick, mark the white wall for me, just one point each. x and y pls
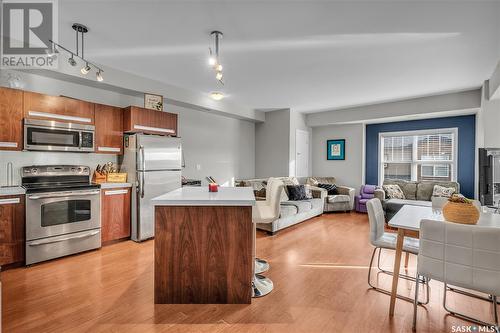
(221, 147)
(489, 118)
(272, 145)
(349, 172)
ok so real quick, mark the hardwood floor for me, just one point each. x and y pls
(319, 270)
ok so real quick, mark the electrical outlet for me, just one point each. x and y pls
(198, 167)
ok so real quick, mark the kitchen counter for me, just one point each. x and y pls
(203, 246)
(12, 190)
(115, 185)
(199, 196)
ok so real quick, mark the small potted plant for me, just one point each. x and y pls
(459, 209)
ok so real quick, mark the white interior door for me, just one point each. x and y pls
(301, 153)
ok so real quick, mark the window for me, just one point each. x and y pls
(419, 155)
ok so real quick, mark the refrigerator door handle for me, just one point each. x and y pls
(142, 184)
(143, 163)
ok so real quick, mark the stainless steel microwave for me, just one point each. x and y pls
(58, 136)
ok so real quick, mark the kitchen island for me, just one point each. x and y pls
(203, 246)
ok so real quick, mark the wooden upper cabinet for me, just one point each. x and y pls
(63, 109)
(140, 120)
(11, 119)
(108, 129)
(12, 236)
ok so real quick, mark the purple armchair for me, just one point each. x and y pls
(367, 192)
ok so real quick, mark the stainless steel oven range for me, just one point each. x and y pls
(62, 211)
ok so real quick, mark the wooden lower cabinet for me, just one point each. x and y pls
(115, 214)
(12, 235)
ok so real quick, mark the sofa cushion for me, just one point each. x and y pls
(425, 189)
(338, 198)
(409, 188)
(321, 180)
(317, 203)
(331, 188)
(302, 206)
(393, 192)
(369, 189)
(441, 191)
(296, 192)
(409, 202)
(288, 210)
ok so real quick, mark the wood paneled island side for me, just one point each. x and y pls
(203, 246)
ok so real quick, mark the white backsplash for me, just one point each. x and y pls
(26, 158)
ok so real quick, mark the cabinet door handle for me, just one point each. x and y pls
(109, 149)
(59, 116)
(10, 201)
(156, 129)
(115, 192)
(6, 144)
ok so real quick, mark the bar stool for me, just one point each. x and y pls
(265, 212)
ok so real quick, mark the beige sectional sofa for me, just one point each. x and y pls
(343, 201)
(291, 212)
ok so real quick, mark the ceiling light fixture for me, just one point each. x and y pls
(72, 61)
(98, 76)
(80, 31)
(85, 69)
(217, 95)
(214, 55)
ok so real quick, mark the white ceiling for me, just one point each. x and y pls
(304, 55)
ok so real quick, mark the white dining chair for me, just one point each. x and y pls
(381, 239)
(265, 212)
(463, 256)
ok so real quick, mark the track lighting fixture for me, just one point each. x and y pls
(52, 52)
(212, 61)
(85, 69)
(72, 61)
(80, 31)
(98, 76)
(214, 56)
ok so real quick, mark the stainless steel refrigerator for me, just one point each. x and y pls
(153, 164)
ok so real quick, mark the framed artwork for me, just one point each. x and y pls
(154, 102)
(335, 149)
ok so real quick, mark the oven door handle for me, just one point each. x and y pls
(62, 194)
(90, 234)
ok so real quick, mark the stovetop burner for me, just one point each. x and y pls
(56, 178)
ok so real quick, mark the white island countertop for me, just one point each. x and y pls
(199, 196)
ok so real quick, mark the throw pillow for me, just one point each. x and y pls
(331, 188)
(441, 191)
(393, 192)
(296, 192)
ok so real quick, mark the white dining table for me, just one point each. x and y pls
(407, 222)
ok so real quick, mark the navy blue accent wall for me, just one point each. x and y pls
(466, 146)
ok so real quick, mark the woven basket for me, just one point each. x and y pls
(460, 213)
